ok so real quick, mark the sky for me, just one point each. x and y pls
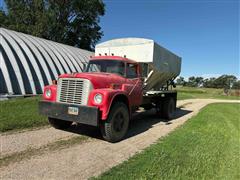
(205, 34)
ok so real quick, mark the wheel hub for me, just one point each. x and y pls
(118, 122)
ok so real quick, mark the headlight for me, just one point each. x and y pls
(48, 93)
(98, 98)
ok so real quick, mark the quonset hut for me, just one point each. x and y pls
(28, 63)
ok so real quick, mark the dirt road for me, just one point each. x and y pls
(93, 156)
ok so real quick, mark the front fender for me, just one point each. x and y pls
(108, 97)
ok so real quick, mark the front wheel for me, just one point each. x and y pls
(59, 124)
(116, 126)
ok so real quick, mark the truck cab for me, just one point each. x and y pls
(104, 95)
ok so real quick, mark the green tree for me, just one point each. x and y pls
(29, 17)
(199, 81)
(209, 83)
(236, 85)
(3, 18)
(72, 22)
(191, 82)
(180, 81)
(224, 81)
(195, 81)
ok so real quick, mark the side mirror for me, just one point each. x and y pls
(84, 67)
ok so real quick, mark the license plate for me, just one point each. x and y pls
(73, 110)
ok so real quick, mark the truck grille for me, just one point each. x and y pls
(73, 90)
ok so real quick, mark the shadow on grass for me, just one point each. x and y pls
(140, 123)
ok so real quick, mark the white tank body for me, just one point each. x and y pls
(159, 64)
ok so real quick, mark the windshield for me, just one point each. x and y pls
(108, 66)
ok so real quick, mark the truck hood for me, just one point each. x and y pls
(99, 80)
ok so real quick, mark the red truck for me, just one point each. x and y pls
(111, 89)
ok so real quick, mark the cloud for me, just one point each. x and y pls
(205, 76)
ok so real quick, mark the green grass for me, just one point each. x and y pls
(193, 93)
(20, 113)
(206, 147)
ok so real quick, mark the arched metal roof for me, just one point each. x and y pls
(28, 63)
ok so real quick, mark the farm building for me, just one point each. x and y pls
(28, 63)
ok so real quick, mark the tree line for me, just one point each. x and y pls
(72, 22)
(224, 82)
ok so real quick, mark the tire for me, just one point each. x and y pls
(116, 126)
(169, 108)
(159, 109)
(59, 124)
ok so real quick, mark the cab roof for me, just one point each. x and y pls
(118, 58)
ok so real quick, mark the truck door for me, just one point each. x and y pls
(135, 84)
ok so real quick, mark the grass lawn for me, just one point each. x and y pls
(192, 93)
(206, 147)
(20, 113)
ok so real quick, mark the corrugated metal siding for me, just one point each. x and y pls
(28, 63)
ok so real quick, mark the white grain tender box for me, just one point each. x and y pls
(162, 65)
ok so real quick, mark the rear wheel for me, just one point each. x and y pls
(159, 109)
(169, 108)
(116, 126)
(59, 124)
